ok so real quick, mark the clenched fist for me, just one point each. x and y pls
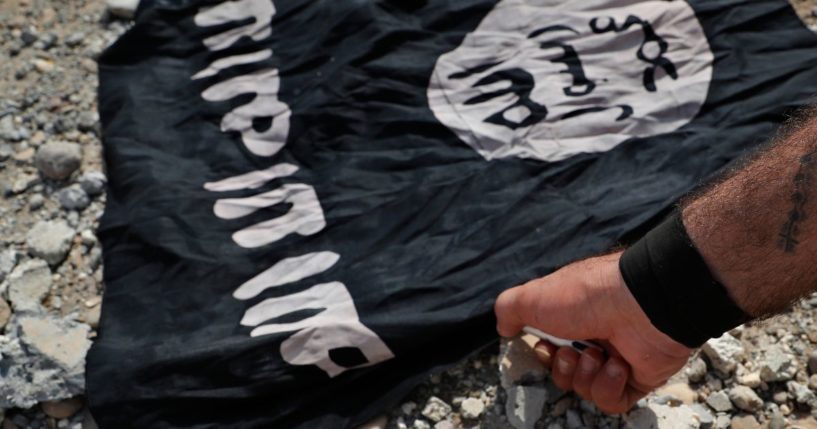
(589, 300)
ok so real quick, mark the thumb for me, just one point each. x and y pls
(556, 304)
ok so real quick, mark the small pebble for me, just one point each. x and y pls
(696, 370)
(745, 398)
(58, 160)
(719, 401)
(73, 198)
(745, 422)
(436, 409)
(472, 408)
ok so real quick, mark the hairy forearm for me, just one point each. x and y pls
(757, 227)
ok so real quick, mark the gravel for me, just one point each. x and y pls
(664, 417)
(719, 401)
(53, 184)
(52, 181)
(58, 160)
(45, 357)
(50, 240)
(525, 405)
(8, 259)
(776, 365)
(436, 409)
(73, 198)
(724, 352)
(28, 286)
(93, 183)
(472, 408)
(745, 398)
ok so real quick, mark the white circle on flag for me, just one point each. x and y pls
(549, 79)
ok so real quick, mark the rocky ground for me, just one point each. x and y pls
(762, 375)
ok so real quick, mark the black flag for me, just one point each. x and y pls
(313, 205)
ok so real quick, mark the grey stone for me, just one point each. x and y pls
(724, 352)
(50, 240)
(704, 416)
(802, 394)
(750, 379)
(436, 409)
(777, 421)
(678, 393)
(8, 259)
(573, 419)
(803, 423)
(525, 405)
(6, 151)
(719, 401)
(94, 258)
(665, 400)
(45, 358)
(73, 198)
(5, 315)
(780, 397)
(28, 38)
(74, 39)
(23, 182)
(723, 421)
(656, 416)
(36, 202)
(92, 315)
(29, 284)
(776, 365)
(10, 131)
(745, 398)
(421, 424)
(745, 422)
(518, 363)
(445, 424)
(472, 408)
(57, 160)
(43, 65)
(46, 41)
(93, 183)
(122, 8)
(88, 238)
(696, 370)
(88, 121)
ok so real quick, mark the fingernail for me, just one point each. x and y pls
(564, 365)
(614, 370)
(588, 364)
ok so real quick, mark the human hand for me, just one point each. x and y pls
(589, 300)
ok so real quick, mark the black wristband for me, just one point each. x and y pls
(672, 284)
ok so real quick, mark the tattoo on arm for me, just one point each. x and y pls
(803, 184)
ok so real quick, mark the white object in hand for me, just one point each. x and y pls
(577, 345)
